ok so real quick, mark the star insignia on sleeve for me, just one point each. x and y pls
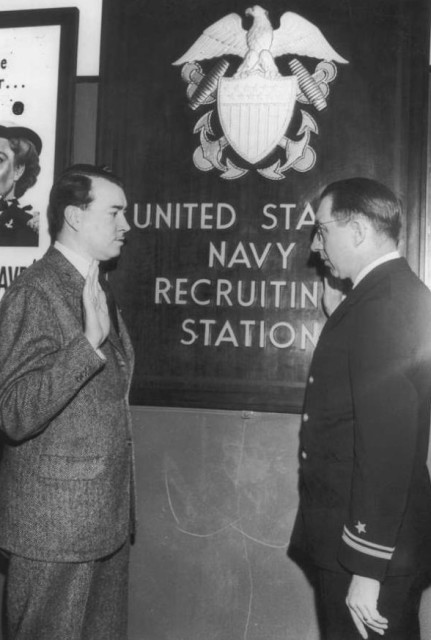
(360, 526)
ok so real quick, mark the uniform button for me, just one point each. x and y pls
(311, 380)
(305, 417)
(304, 455)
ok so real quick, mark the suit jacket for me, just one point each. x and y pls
(365, 494)
(67, 463)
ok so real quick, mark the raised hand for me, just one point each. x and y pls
(96, 314)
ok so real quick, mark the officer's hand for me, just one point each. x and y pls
(362, 600)
(96, 314)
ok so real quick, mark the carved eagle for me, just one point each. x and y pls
(261, 43)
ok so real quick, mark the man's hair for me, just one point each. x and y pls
(368, 198)
(25, 156)
(74, 187)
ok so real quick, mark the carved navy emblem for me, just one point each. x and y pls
(252, 107)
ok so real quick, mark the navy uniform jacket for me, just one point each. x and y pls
(67, 465)
(365, 493)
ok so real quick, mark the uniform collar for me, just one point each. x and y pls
(392, 255)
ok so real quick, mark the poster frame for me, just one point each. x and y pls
(67, 19)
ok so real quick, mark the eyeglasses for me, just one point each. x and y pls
(318, 229)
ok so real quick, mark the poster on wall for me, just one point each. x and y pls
(226, 121)
(37, 70)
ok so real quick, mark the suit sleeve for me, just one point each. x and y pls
(385, 406)
(41, 370)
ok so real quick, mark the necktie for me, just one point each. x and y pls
(110, 301)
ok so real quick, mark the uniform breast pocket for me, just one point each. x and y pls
(70, 468)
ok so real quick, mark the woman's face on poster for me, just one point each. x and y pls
(9, 172)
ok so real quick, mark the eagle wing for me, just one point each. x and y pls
(298, 36)
(226, 36)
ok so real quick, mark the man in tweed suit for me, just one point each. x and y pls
(365, 494)
(66, 471)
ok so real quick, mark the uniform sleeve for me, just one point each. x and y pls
(386, 424)
(41, 370)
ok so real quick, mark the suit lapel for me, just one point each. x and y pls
(115, 339)
(70, 281)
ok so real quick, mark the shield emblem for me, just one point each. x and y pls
(255, 112)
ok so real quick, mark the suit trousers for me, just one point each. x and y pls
(68, 600)
(399, 602)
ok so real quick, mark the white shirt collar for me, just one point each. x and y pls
(80, 263)
(392, 255)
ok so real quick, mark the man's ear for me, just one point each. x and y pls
(72, 216)
(360, 228)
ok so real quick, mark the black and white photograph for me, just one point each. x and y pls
(215, 320)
